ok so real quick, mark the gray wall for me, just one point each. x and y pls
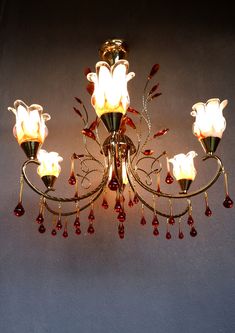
(100, 283)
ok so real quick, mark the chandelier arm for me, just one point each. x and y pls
(181, 196)
(49, 197)
(85, 178)
(89, 153)
(73, 212)
(154, 210)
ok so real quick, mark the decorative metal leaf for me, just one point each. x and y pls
(77, 111)
(148, 152)
(87, 70)
(90, 88)
(130, 122)
(94, 124)
(87, 132)
(132, 110)
(154, 88)
(156, 95)
(161, 132)
(153, 71)
(78, 100)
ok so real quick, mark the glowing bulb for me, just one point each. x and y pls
(183, 166)
(49, 163)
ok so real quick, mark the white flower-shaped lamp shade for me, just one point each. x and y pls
(49, 163)
(209, 123)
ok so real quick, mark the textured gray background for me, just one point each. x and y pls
(99, 283)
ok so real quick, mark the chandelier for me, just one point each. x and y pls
(124, 168)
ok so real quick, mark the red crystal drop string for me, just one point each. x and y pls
(40, 217)
(19, 209)
(72, 179)
(65, 233)
(180, 234)
(228, 202)
(91, 218)
(190, 219)
(155, 222)
(169, 179)
(53, 231)
(143, 220)
(208, 211)
(168, 234)
(171, 219)
(77, 221)
(59, 225)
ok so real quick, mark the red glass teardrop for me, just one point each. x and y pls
(121, 216)
(190, 220)
(121, 235)
(171, 220)
(121, 228)
(168, 235)
(136, 199)
(65, 234)
(78, 231)
(181, 235)
(19, 210)
(143, 221)
(77, 222)
(169, 179)
(130, 203)
(208, 211)
(40, 218)
(148, 152)
(90, 229)
(228, 202)
(113, 183)
(91, 215)
(193, 232)
(41, 229)
(105, 204)
(118, 206)
(155, 231)
(155, 221)
(53, 232)
(72, 179)
(59, 225)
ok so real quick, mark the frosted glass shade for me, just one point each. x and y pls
(183, 166)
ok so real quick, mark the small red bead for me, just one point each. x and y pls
(91, 215)
(72, 179)
(190, 220)
(193, 232)
(155, 221)
(136, 199)
(228, 202)
(65, 234)
(40, 218)
(143, 221)
(171, 220)
(77, 222)
(19, 210)
(168, 235)
(208, 211)
(78, 231)
(53, 232)
(169, 179)
(90, 229)
(117, 206)
(155, 231)
(41, 229)
(130, 203)
(59, 225)
(121, 216)
(181, 235)
(105, 204)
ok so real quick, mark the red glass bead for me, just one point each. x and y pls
(130, 203)
(53, 232)
(193, 232)
(181, 235)
(169, 179)
(41, 229)
(19, 210)
(228, 202)
(171, 220)
(40, 218)
(136, 199)
(121, 228)
(77, 222)
(65, 234)
(90, 229)
(59, 225)
(78, 231)
(121, 216)
(121, 235)
(91, 215)
(155, 221)
(190, 220)
(105, 204)
(208, 211)
(143, 221)
(72, 179)
(168, 235)
(155, 231)
(118, 206)
(113, 184)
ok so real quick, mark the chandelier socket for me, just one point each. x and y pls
(185, 184)
(49, 181)
(113, 50)
(112, 121)
(210, 144)
(30, 148)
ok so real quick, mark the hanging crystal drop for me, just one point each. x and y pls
(155, 231)
(121, 216)
(169, 179)
(105, 203)
(40, 218)
(190, 220)
(118, 207)
(228, 202)
(91, 215)
(136, 199)
(19, 210)
(65, 234)
(155, 221)
(113, 183)
(41, 229)
(208, 211)
(121, 230)
(59, 225)
(181, 235)
(171, 220)
(77, 222)
(72, 179)
(78, 231)
(168, 235)
(193, 232)
(90, 229)
(53, 232)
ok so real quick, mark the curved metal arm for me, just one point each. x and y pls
(49, 197)
(153, 209)
(181, 196)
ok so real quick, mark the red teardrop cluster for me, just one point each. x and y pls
(130, 203)
(19, 210)
(91, 215)
(117, 206)
(228, 202)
